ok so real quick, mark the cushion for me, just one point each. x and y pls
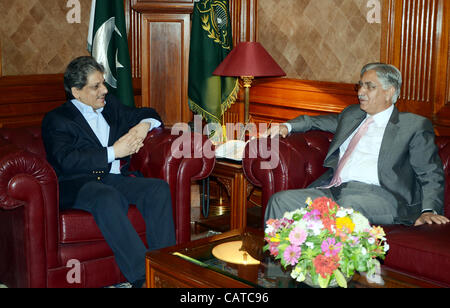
(422, 251)
(77, 226)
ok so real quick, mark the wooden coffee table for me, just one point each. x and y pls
(166, 270)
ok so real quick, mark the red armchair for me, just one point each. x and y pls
(37, 241)
(423, 251)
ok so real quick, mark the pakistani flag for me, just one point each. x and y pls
(108, 44)
(211, 41)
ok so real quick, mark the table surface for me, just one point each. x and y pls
(204, 270)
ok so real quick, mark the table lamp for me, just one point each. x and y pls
(248, 60)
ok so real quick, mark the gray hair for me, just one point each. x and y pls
(77, 72)
(388, 75)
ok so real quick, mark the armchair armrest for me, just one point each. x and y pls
(19, 167)
(296, 161)
(28, 213)
(178, 159)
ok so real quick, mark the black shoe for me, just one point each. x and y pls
(140, 283)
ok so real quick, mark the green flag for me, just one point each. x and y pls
(108, 44)
(211, 41)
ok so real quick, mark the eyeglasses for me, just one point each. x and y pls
(369, 86)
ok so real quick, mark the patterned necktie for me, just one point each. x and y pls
(336, 181)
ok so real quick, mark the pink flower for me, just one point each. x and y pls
(297, 236)
(292, 254)
(330, 248)
(312, 215)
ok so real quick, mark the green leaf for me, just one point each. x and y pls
(340, 279)
(323, 282)
(296, 217)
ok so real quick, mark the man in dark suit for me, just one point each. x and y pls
(86, 139)
(392, 174)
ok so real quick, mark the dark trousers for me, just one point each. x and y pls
(108, 201)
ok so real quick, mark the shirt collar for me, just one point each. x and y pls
(382, 118)
(85, 109)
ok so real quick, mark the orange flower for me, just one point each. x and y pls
(325, 266)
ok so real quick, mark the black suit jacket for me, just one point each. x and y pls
(74, 150)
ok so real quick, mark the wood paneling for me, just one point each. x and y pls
(415, 38)
(163, 6)
(165, 64)
(25, 99)
(281, 99)
(244, 20)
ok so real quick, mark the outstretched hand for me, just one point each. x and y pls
(275, 130)
(431, 218)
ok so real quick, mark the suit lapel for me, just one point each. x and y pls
(78, 118)
(346, 127)
(108, 114)
(389, 140)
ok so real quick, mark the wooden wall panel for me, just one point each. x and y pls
(281, 99)
(24, 100)
(165, 64)
(244, 20)
(415, 39)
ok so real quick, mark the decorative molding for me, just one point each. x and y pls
(161, 6)
(281, 99)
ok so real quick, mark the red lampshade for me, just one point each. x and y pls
(249, 59)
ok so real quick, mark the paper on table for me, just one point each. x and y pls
(232, 149)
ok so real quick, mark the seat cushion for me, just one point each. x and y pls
(77, 226)
(422, 251)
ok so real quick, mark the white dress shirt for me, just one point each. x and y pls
(362, 165)
(101, 129)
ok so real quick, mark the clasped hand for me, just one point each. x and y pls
(131, 142)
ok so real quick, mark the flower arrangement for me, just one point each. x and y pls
(325, 243)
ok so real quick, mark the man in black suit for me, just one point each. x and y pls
(86, 139)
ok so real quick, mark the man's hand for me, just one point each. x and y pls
(275, 130)
(132, 141)
(140, 130)
(128, 144)
(431, 218)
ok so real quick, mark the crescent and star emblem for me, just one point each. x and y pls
(100, 49)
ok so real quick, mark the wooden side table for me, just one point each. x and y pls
(231, 175)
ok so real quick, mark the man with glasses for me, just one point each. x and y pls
(86, 139)
(382, 162)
